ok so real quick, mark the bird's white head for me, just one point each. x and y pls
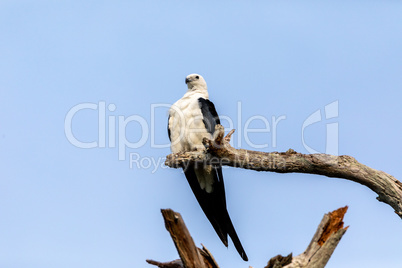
(195, 81)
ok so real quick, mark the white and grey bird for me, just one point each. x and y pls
(192, 118)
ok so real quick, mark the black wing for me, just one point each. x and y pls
(214, 203)
(210, 116)
(211, 119)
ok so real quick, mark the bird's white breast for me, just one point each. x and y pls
(186, 125)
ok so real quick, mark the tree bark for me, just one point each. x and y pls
(190, 255)
(317, 254)
(219, 151)
(321, 247)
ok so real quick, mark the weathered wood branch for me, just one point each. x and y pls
(190, 255)
(321, 247)
(219, 151)
(317, 254)
(171, 264)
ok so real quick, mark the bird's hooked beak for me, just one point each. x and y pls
(188, 80)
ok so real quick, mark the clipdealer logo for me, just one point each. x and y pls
(112, 131)
(332, 129)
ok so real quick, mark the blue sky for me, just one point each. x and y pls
(64, 206)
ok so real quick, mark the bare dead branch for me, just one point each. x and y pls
(190, 255)
(209, 260)
(279, 261)
(219, 151)
(182, 239)
(317, 254)
(171, 264)
(324, 242)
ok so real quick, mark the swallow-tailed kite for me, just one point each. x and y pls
(192, 118)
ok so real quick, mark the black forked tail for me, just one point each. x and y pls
(214, 206)
(236, 241)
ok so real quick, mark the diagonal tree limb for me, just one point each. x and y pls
(219, 151)
(190, 255)
(182, 239)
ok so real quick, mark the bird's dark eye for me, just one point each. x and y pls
(197, 77)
